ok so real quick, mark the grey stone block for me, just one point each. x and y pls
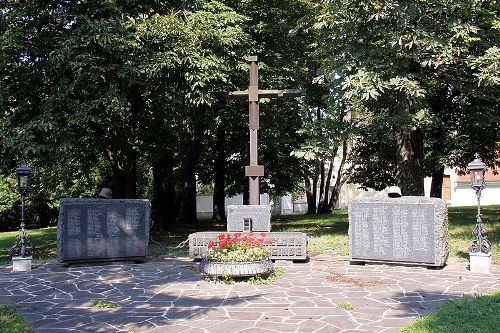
(102, 229)
(248, 218)
(410, 230)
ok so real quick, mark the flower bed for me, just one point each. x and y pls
(240, 255)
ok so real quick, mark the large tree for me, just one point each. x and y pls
(282, 64)
(389, 59)
(117, 81)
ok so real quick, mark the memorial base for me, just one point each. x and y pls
(284, 245)
(480, 262)
(21, 264)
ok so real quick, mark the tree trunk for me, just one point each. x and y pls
(124, 169)
(339, 182)
(124, 159)
(437, 183)
(188, 203)
(315, 186)
(409, 171)
(311, 198)
(323, 206)
(321, 183)
(219, 196)
(163, 208)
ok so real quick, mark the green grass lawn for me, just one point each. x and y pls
(11, 322)
(328, 233)
(462, 222)
(43, 241)
(481, 314)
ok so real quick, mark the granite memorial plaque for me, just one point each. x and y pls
(405, 230)
(248, 218)
(102, 229)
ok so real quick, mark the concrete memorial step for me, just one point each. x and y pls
(284, 245)
(253, 219)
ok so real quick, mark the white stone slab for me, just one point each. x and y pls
(21, 264)
(480, 262)
(248, 218)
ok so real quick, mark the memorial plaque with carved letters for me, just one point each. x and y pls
(102, 229)
(249, 218)
(406, 230)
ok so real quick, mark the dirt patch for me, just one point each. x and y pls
(346, 279)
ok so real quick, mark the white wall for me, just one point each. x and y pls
(461, 193)
(204, 202)
(352, 191)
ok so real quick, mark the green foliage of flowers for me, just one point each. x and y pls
(222, 279)
(346, 306)
(278, 273)
(103, 304)
(238, 248)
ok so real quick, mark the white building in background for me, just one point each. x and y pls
(279, 205)
(459, 193)
(456, 190)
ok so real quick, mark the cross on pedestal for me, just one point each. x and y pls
(254, 171)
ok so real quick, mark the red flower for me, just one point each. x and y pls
(210, 245)
(237, 234)
(263, 234)
(221, 237)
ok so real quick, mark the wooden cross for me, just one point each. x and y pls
(254, 171)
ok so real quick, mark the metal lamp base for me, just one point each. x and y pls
(21, 264)
(480, 262)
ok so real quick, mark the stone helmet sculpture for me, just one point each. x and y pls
(394, 192)
(105, 193)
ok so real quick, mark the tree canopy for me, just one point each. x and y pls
(416, 73)
(126, 94)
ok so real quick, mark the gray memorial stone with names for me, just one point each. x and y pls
(248, 218)
(402, 230)
(102, 229)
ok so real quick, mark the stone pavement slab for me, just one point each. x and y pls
(327, 294)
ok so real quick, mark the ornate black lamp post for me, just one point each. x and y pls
(477, 169)
(23, 174)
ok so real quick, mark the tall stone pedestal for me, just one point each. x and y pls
(480, 262)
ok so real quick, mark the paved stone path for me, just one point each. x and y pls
(166, 295)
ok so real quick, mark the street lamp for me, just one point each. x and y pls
(477, 170)
(23, 174)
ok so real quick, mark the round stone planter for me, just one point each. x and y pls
(236, 269)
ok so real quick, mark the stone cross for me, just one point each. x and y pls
(254, 171)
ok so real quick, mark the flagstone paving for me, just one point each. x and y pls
(327, 294)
